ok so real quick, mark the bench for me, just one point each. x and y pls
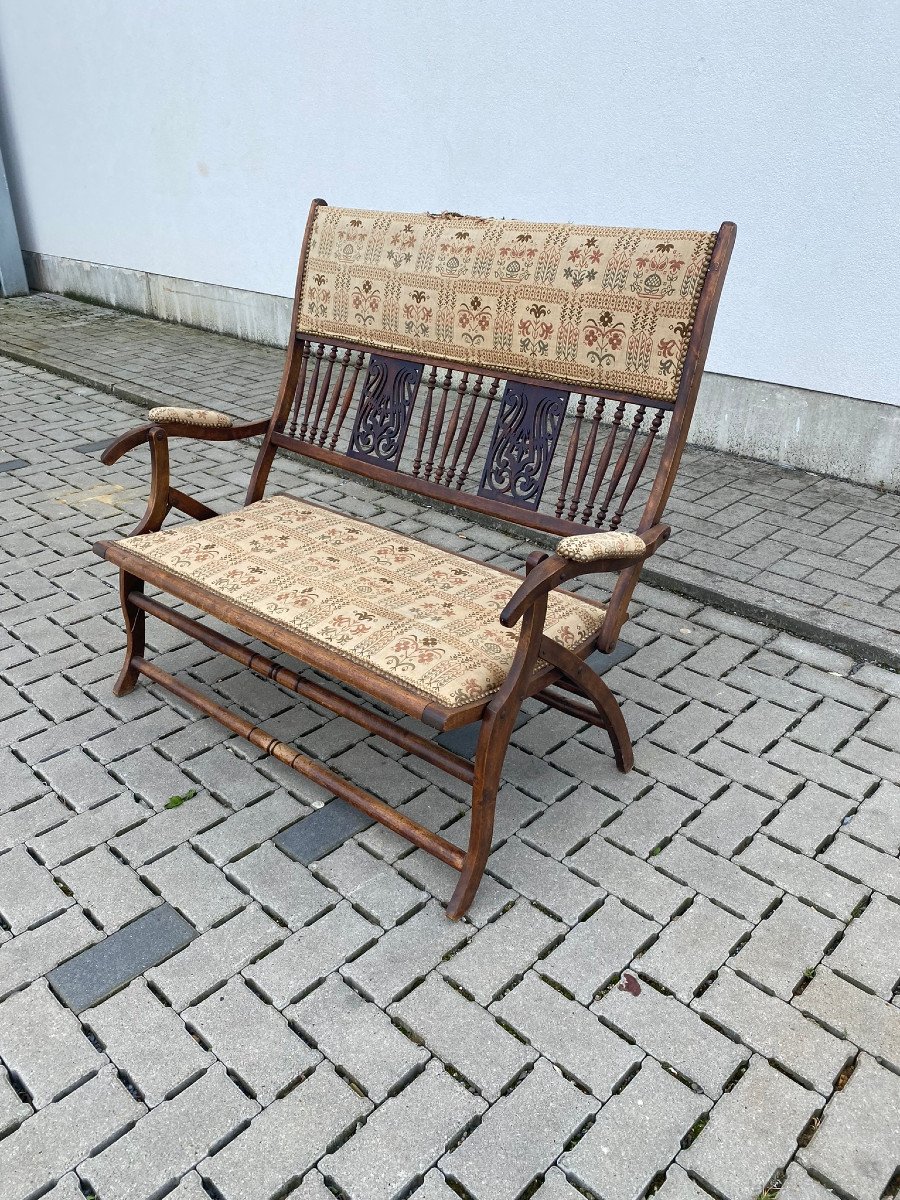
(539, 375)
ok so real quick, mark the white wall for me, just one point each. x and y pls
(186, 138)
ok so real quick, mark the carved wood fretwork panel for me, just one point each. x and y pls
(523, 444)
(385, 407)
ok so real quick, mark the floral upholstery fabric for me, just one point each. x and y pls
(190, 416)
(611, 543)
(405, 610)
(572, 304)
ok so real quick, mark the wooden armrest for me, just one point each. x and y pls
(544, 576)
(210, 433)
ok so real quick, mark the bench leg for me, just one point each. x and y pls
(589, 684)
(135, 620)
(496, 730)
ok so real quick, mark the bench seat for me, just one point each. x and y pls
(400, 608)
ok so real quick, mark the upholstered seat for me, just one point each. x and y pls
(408, 611)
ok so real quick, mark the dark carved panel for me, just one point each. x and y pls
(522, 444)
(385, 406)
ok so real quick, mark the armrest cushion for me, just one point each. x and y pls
(190, 416)
(589, 547)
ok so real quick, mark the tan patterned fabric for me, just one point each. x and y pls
(190, 416)
(568, 303)
(405, 610)
(589, 547)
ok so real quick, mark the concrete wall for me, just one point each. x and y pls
(183, 139)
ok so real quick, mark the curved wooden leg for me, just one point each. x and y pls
(590, 684)
(493, 739)
(134, 632)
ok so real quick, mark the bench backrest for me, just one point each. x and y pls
(541, 374)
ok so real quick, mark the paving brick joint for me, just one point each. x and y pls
(683, 980)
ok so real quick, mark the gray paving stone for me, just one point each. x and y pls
(23, 823)
(775, 1030)
(107, 889)
(252, 1039)
(227, 776)
(199, 890)
(32, 954)
(59, 1137)
(43, 1044)
(855, 1146)
(311, 954)
(637, 1133)
(802, 877)
(170, 1139)
(682, 774)
(717, 878)
(463, 1035)
(152, 777)
(870, 867)
(808, 819)
(630, 878)
(369, 884)
(877, 820)
(284, 1141)
(562, 827)
(248, 828)
(357, 1037)
(650, 820)
(757, 728)
(869, 953)
(168, 829)
(13, 1110)
(20, 784)
(824, 769)
(867, 1020)
(678, 1185)
(89, 829)
(380, 774)
(790, 942)
(135, 735)
(28, 894)
(148, 1040)
(800, 1186)
(748, 769)
(100, 970)
(434, 1187)
(727, 823)
(404, 1137)
(689, 728)
(405, 954)
(752, 1132)
(597, 949)
(502, 951)
(827, 726)
(672, 1033)
(282, 886)
(215, 956)
(691, 947)
(439, 880)
(567, 1034)
(520, 1136)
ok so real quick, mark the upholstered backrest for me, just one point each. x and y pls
(576, 305)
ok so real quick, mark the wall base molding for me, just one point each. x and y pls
(832, 435)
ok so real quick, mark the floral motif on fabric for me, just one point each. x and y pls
(619, 303)
(405, 610)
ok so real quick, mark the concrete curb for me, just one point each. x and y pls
(867, 644)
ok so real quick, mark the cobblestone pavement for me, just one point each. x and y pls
(812, 555)
(683, 980)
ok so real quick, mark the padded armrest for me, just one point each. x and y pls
(190, 416)
(590, 547)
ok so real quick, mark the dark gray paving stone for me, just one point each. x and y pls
(100, 970)
(600, 662)
(464, 741)
(312, 837)
(13, 464)
(94, 447)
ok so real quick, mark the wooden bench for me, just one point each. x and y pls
(542, 375)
